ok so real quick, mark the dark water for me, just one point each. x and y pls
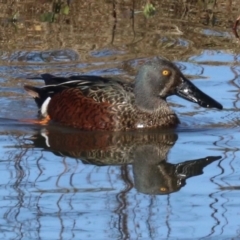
(61, 183)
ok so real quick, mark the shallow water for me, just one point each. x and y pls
(60, 183)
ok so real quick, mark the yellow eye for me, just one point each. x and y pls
(166, 72)
(163, 189)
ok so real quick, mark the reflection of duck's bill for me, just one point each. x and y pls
(190, 92)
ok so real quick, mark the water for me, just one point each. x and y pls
(62, 183)
(51, 196)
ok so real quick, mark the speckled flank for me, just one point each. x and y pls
(71, 107)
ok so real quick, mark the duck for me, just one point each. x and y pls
(99, 103)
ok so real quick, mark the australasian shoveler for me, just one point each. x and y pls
(97, 103)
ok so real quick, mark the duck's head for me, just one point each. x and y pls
(158, 79)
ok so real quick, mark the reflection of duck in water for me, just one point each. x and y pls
(146, 151)
(160, 177)
(96, 103)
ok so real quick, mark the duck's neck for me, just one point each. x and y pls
(147, 100)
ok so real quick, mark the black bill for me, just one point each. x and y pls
(190, 92)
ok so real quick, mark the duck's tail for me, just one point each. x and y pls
(41, 97)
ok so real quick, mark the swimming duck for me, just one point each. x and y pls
(97, 103)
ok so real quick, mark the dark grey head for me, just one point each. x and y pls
(160, 78)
